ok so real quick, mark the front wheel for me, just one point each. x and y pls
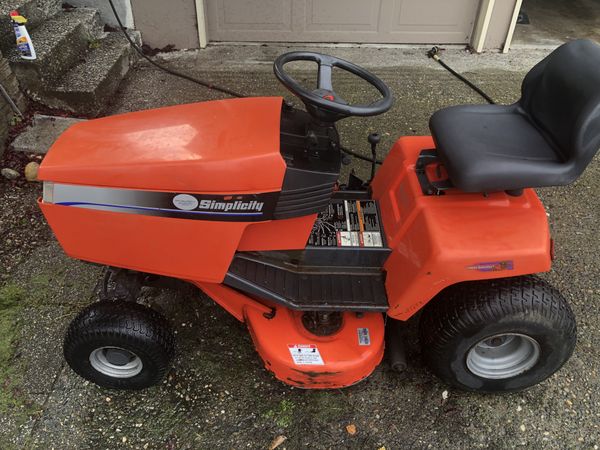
(119, 345)
(497, 335)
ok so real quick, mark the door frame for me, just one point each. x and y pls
(201, 18)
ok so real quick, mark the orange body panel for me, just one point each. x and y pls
(344, 360)
(223, 147)
(188, 249)
(438, 241)
(179, 248)
(232, 301)
(287, 234)
(210, 147)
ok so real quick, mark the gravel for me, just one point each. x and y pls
(218, 395)
(22, 226)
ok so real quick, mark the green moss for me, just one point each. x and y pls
(282, 414)
(321, 406)
(11, 297)
(11, 302)
(325, 406)
(40, 288)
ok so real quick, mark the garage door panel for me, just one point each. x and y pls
(368, 21)
(357, 15)
(244, 15)
(433, 21)
(430, 13)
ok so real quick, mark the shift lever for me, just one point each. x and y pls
(374, 139)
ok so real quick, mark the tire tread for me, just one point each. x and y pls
(468, 305)
(128, 321)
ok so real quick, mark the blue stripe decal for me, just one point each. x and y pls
(149, 208)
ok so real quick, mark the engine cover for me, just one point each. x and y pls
(226, 146)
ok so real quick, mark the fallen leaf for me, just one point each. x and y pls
(277, 442)
(351, 429)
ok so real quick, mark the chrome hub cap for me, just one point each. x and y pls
(116, 362)
(503, 356)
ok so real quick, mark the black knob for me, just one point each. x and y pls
(374, 138)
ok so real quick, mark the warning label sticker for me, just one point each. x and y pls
(348, 223)
(364, 337)
(372, 239)
(305, 355)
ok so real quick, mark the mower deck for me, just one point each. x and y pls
(301, 359)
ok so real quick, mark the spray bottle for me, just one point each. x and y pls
(24, 44)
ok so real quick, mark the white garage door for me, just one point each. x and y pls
(376, 21)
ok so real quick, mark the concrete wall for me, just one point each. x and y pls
(165, 23)
(9, 82)
(123, 8)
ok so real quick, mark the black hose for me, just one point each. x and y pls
(359, 156)
(213, 87)
(433, 53)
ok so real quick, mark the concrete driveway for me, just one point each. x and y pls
(217, 394)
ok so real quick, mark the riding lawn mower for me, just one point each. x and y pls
(242, 198)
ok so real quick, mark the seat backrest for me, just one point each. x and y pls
(562, 96)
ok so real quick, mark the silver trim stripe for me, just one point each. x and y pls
(245, 208)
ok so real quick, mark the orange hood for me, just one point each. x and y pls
(224, 146)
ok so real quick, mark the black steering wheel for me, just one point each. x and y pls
(323, 103)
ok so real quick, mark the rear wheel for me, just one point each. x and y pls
(119, 345)
(497, 335)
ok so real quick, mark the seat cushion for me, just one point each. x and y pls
(487, 148)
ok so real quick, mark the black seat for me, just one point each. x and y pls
(547, 138)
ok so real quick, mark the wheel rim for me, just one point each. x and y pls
(503, 356)
(116, 362)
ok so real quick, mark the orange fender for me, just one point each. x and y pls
(438, 241)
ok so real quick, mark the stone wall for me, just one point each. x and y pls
(8, 80)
